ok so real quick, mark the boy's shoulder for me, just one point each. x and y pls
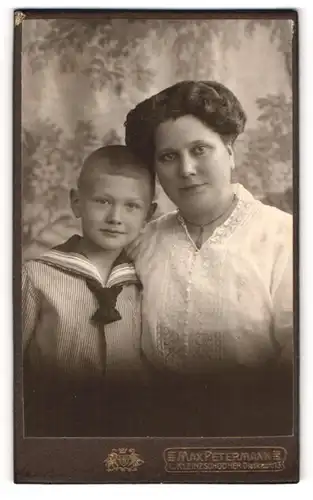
(58, 259)
(33, 265)
(37, 269)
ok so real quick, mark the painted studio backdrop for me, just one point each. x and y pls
(80, 78)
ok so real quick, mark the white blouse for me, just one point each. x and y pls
(227, 304)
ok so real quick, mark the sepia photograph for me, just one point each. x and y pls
(156, 246)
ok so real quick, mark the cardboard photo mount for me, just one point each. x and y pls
(223, 459)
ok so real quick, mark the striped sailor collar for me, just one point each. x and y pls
(67, 258)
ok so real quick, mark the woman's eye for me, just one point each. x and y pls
(167, 157)
(199, 150)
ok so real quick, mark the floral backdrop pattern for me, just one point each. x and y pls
(80, 78)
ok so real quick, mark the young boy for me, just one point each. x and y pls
(82, 306)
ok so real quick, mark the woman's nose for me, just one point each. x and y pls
(187, 165)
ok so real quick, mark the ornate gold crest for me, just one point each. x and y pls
(123, 460)
(18, 18)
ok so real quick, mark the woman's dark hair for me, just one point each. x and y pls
(211, 102)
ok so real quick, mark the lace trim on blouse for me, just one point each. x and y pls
(239, 216)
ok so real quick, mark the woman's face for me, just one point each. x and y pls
(193, 164)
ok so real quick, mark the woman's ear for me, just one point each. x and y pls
(231, 156)
(75, 203)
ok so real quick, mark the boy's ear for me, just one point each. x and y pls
(75, 203)
(151, 211)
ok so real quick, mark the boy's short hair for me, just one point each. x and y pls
(117, 160)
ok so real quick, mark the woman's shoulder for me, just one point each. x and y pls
(266, 216)
(269, 233)
(275, 219)
(163, 222)
(153, 240)
(160, 227)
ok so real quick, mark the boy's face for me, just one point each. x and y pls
(113, 208)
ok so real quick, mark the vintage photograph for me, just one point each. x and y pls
(158, 172)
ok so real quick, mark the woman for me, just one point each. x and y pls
(216, 274)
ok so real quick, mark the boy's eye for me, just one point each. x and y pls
(102, 201)
(167, 157)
